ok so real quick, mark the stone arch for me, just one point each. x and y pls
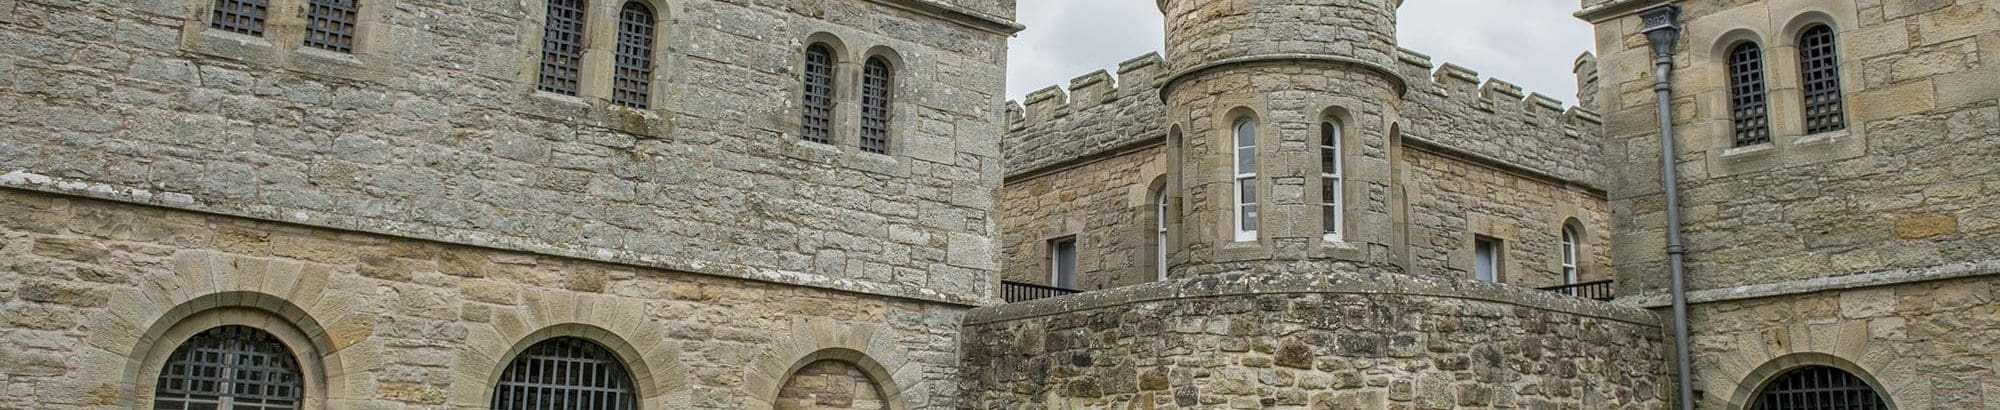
(1789, 35)
(868, 347)
(1763, 375)
(298, 331)
(1719, 48)
(618, 324)
(836, 360)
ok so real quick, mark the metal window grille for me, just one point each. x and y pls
(1819, 75)
(1746, 95)
(816, 120)
(564, 373)
(876, 80)
(229, 367)
(1819, 388)
(633, 79)
(240, 16)
(562, 46)
(330, 24)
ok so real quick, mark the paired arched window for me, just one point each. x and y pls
(562, 47)
(1818, 388)
(1747, 100)
(1246, 180)
(330, 24)
(1819, 79)
(816, 117)
(876, 82)
(1569, 256)
(239, 16)
(230, 367)
(632, 77)
(565, 373)
(1329, 179)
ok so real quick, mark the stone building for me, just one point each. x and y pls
(668, 204)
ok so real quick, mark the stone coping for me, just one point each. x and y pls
(1613, 8)
(1888, 277)
(1402, 85)
(1251, 284)
(960, 15)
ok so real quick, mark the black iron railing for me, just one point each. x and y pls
(1598, 290)
(1016, 292)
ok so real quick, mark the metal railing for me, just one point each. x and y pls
(1017, 292)
(1597, 290)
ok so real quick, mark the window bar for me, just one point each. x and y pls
(1819, 72)
(562, 47)
(634, 74)
(330, 24)
(240, 16)
(1747, 99)
(816, 122)
(875, 86)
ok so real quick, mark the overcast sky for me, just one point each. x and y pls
(1530, 43)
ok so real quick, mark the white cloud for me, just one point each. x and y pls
(1530, 43)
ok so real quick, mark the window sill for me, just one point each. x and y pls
(240, 47)
(1748, 150)
(1824, 137)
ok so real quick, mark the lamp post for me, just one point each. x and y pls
(1663, 31)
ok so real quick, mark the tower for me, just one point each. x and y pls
(1258, 87)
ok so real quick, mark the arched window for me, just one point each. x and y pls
(1569, 247)
(1160, 228)
(633, 79)
(330, 24)
(239, 16)
(1746, 95)
(816, 119)
(831, 384)
(1819, 78)
(1329, 179)
(230, 367)
(564, 373)
(1246, 180)
(1818, 388)
(877, 78)
(562, 46)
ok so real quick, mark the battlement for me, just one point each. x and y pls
(1096, 112)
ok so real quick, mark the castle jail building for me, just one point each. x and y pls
(826, 204)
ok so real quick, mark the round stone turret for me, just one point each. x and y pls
(1291, 72)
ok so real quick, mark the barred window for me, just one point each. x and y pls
(1329, 179)
(240, 16)
(1246, 180)
(229, 367)
(1746, 95)
(564, 373)
(634, 76)
(876, 82)
(1818, 387)
(1819, 78)
(562, 46)
(330, 24)
(816, 120)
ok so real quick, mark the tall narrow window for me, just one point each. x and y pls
(1329, 179)
(330, 24)
(564, 373)
(1160, 228)
(229, 367)
(239, 16)
(562, 46)
(1746, 95)
(632, 81)
(1486, 259)
(1062, 263)
(816, 119)
(877, 80)
(1246, 180)
(1569, 256)
(1819, 78)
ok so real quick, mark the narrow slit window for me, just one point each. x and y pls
(562, 47)
(816, 118)
(330, 24)
(1819, 79)
(228, 367)
(877, 80)
(239, 16)
(1160, 228)
(1486, 259)
(565, 373)
(1746, 95)
(632, 80)
(1246, 180)
(1569, 257)
(1062, 263)
(1329, 179)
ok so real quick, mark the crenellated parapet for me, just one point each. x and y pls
(1447, 105)
(1098, 112)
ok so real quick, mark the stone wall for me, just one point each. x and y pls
(1106, 204)
(432, 129)
(1314, 340)
(1451, 200)
(92, 285)
(1098, 113)
(1450, 106)
(829, 384)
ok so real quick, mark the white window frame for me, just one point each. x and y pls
(1330, 178)
(1056, 263)
(1492, 259)
(1571, 275)
(1245, 179)
(1160, 225)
